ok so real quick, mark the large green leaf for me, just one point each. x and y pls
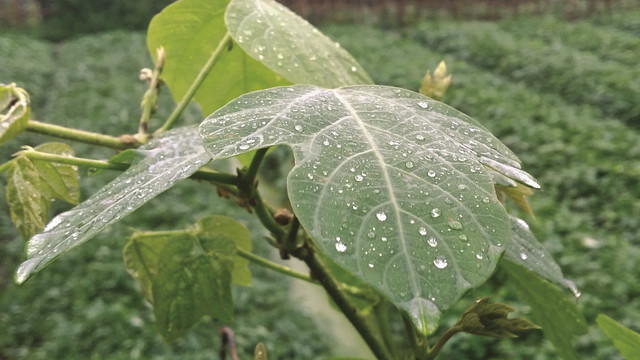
(193, 280)
(216, 225)
(58, 181)
(28, 206)
(141, 256)
(525, 250)
(190, 30)
(161, 163)
(290, 46)
(625, 340)
(14, 111)
(389, 183)
(552, 309)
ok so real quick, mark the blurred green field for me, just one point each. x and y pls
(563, 96)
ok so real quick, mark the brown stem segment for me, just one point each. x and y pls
(228, 341)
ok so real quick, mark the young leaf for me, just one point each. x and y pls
(14, 111)
(434, 86)
(550, 308)
(625, 340)
(260, 352)
(173, 156)
(290, 46)
(58, 181)
(224, 226)
(517, 193)
(29, 207)
(141, 256)
(526, 251)
(193, 280)
(387, 182)
(483, 318)
(189, 31)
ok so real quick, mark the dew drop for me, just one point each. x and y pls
(435, 212)
(423, 104)
(479, 256)
(463, 237)
(383, 238)
(298, 127)
(354, 69)
(440, 262)
(325, 142)
(370, 266)
(341, 247)
(419, 137)
(432, 242)
(422, 231)
(359, 178)
(371, 235)
(409, 164)
(381, 216)
(523, 256)
(486, 200)
(455, 225)
(431, 173)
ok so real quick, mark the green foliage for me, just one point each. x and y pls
(625, 340)
(375, 128)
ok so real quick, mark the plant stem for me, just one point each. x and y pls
(86, 137)
(219, 178)
(266, 218)
(275, 267)
(328, 282)
(186, 99)
(441, 341)
(150, 97)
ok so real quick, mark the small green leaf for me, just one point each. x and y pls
(160, 164)
(290, 46)
(483, 318)
(388, 183)
(550, 308)
(624, 339)
(29, 207)
(434, 86)
(224, 226)
(15, 111)
(141, 256)
(525, 250)
(518, 194)
(58, 181)
(189, 31)
(193, 280)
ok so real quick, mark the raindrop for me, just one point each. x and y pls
(486, 200)
(310, 176)
(325, 142)
(298, 127)
(435, 212)
(463, 237)
(359, 178)
(354, 69)
(370, 266)
(341, 247)
(371, 235)
(432, 242)
(419, 137)
(381, 216)
(431, 173)
(523, 256)
(383, 238)
(462, 187)
(455, 225)
(422, 231)
(423, 104)
(409, 164)
(440, 262)
(479, 256)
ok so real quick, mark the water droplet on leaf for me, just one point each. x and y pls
(440, 262)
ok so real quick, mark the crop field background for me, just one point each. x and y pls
(564, 96)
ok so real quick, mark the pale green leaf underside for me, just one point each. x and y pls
(551, 309)
(290, 46)
(160, 164)
(190, 30)
(526, 251)
(387, 182)
(625, 340)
